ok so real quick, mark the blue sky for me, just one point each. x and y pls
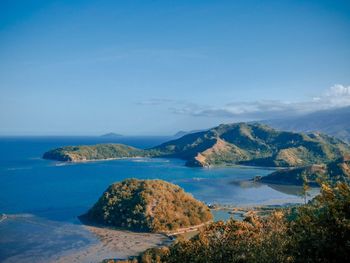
(156, 67)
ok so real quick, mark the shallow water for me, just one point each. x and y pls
(26, 238)
(56, 193)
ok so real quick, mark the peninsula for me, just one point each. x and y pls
(85, 153)
(335, 171)
(227, 144)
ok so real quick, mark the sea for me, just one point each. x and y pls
(40, 199)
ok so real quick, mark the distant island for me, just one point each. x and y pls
(148, 205)
(111, 135)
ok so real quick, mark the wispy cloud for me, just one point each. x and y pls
(336, 96)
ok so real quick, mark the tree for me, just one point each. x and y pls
(321, 230)
(306, 187)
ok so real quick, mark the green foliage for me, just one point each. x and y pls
(94, 152)
(148, 205)
(316, 232)
(321, 230)
(306, 187)
(335, 171)
(253, 144)
(240, 143)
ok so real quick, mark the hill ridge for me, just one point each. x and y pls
(251, 144)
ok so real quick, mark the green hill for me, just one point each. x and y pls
(148, 205)
(227, 144)
(93, 152)
(338, 170)
(316, 232)
(253, 144)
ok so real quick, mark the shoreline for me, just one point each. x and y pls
(233, 165)
(114, 244)
(95, 160)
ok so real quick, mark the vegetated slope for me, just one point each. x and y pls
(93, 152)
(334, 122)
(253, 144)
(148, 205)
(316, 232)
(338, 170)
(239, 143)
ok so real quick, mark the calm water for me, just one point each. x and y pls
(54, 194)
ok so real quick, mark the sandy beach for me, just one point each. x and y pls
(115, 244)
(40, 240)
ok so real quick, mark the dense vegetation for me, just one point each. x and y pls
(316, 232)
(240, 143)
(253, 144)
(338, 170)
(148, 205)
(93, 152)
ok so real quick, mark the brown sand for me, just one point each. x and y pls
(114, 244)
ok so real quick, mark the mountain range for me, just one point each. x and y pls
(334, 122)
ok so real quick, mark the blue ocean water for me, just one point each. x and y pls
(59, 192)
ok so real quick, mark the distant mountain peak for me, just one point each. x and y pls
(334, 122)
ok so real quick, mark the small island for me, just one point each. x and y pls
(148, 206)
(111, 135)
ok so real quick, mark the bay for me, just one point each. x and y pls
(44, 196)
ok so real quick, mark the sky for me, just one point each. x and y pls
(157, 67)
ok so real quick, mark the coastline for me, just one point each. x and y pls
(97, 160)
(233, 165)
(114, 244)
(43, 240)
